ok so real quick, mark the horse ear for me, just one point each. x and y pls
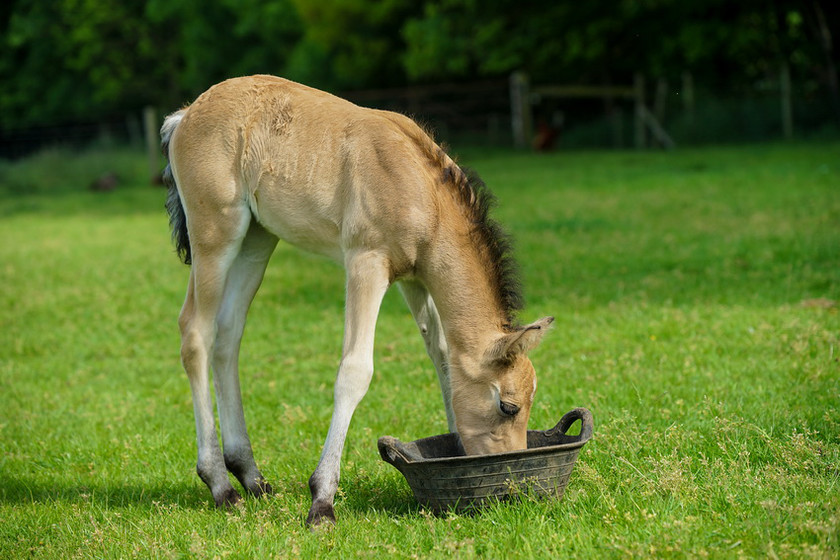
(519, 342)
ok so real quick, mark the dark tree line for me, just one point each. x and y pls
(65, 60)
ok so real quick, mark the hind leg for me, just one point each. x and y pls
(243, 280)
(213, 251)
(428, 321)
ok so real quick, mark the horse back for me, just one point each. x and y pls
(314, 169)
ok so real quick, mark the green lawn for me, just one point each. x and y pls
(695, 294)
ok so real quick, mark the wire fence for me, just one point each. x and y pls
(127, 129)
(490, 113)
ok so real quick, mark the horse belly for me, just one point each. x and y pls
(300, 218)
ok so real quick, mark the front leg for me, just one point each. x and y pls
(367, 281)
(428, 321)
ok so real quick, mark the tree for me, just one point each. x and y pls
(218, 40)
(69, 59)
(83, 59)
(350, 44)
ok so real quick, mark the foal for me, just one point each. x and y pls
(260, 158)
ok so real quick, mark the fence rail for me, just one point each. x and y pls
(18, 143)
(498, 111)
(477, 107)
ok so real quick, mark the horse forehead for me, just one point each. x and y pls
(520, 375)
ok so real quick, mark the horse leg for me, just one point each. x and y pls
(212, 260)
(428, 321)
(367, 282)
(243, 280)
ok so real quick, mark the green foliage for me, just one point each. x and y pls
(350, 43)
(583, 42)
(213, 41)
(695, 296)
(68, 59)
(81, 59)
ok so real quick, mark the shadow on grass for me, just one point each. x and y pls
(385, 494)
(362, 496)
(393, 498)
(22, 490)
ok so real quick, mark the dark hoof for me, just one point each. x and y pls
(321, 516)
(228, 500)
(261, 488)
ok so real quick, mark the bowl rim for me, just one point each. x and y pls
(394, 451)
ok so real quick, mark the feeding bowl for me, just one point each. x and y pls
(443, 477)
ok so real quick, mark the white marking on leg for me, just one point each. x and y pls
(198, 333)
(367, 282)
(243, 281)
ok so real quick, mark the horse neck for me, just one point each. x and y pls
(471, 315)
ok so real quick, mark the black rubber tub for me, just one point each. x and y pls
(444, 478)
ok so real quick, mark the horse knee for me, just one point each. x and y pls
(353, 380)
(193, 350)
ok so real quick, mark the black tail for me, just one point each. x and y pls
(174, 207)
(177, 219)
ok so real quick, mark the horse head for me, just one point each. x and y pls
(492, 407)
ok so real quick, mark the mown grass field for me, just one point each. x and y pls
(695, 296)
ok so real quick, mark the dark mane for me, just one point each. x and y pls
(493, 242)
(488, 234)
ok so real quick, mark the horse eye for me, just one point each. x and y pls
(508, 409)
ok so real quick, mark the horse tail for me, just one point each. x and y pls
(174, 205)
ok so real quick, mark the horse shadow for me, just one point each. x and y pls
(29, 490)
(364, 495)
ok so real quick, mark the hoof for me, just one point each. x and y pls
(228, 500)
(261, 488)
(321, 516)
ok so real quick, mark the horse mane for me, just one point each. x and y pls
(478, 201)
(495, 244)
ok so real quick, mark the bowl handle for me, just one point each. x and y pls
(586, 423)
(393, 451)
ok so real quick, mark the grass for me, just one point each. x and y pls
(696, 302)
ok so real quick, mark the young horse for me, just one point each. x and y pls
(260, 158)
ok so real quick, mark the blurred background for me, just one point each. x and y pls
(547, 74)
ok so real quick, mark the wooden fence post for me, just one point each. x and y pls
(787, 105)
(688, 99)
(639, 116)
(520, 110)
(660, 99)
(150, 131)
(617, 126)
